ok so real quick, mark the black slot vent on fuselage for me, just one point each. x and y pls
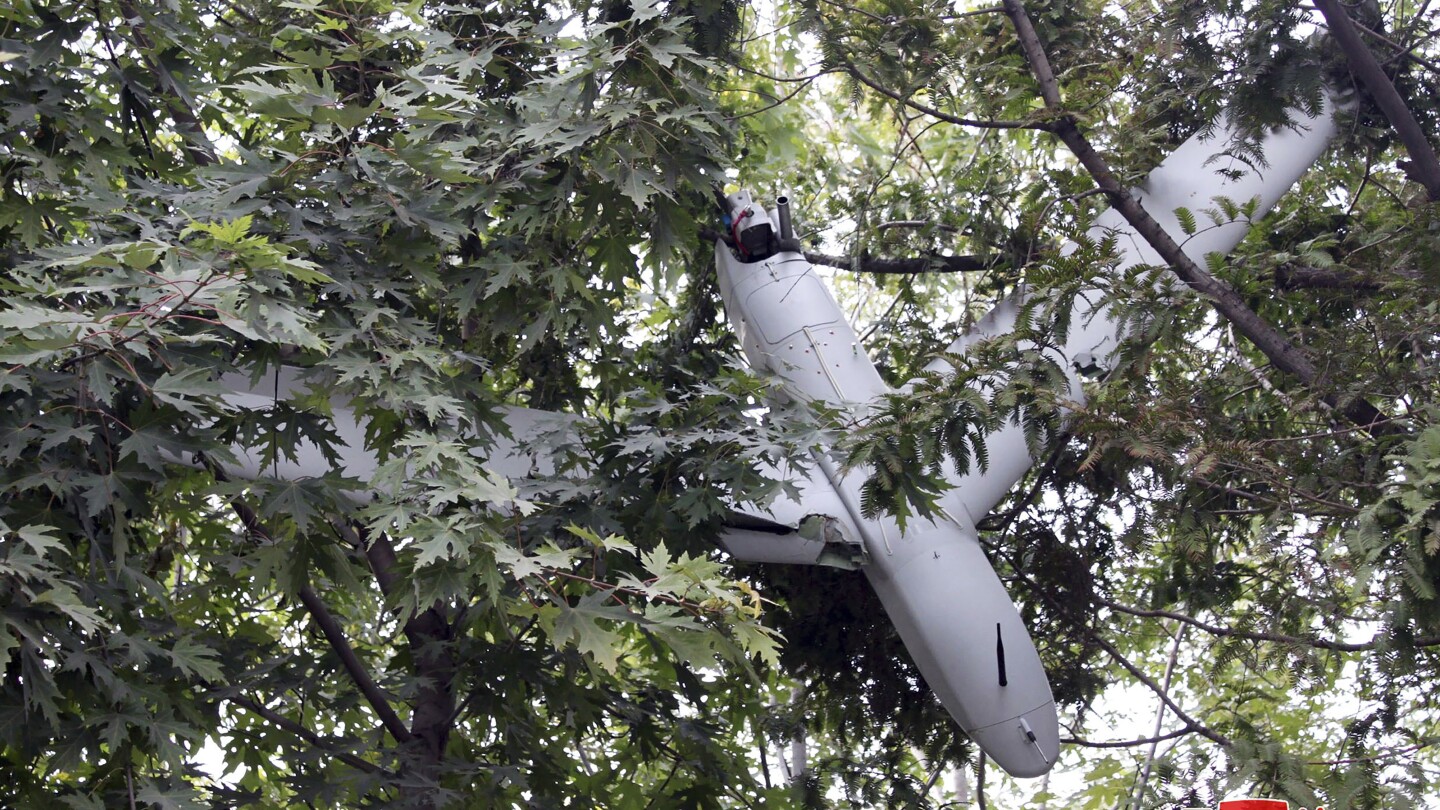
(1000, 655)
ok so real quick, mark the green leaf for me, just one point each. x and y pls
(441, 541)
(41, 539)
(759, 641)
(197, 660)
(1186, 219)
(226, 231)
(609, 542)
(191, 391)
(587, 625)
(68, 602)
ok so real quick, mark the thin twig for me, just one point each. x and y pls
(192, 130)
(910, 102)
(1135, 672)
(980, 782)
(862, 12)
(977, 12)
(915, 223)
(1119, 658)
(1144, 779)
(1083, 743)
(1401, 51)
(784, 79)
(885, 266)
(800, 88)
(286, 724)
(1409, 749)
(1278, 638)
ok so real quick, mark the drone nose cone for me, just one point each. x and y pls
(1025, 746)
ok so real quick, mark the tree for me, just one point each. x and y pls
(1206, 491)
(438, 210)
(435, 210)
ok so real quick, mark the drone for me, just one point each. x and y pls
(932, 576)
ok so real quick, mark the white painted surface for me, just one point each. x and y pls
(789, 325)
(1192, 177)
(937, 586)
(510, 455)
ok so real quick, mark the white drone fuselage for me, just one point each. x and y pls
(946, 602)
(935, 583)
(938, 588)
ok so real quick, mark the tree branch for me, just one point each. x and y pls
(1139, 675)
(861, 77)
(333, 633)
(1127, 743)
(1278, 348)
(907, 267)
(286, 724)
(1425, 166)
(1278, 638)
(882, 266)
(353, 665)
(428, 633)
(198, 145)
